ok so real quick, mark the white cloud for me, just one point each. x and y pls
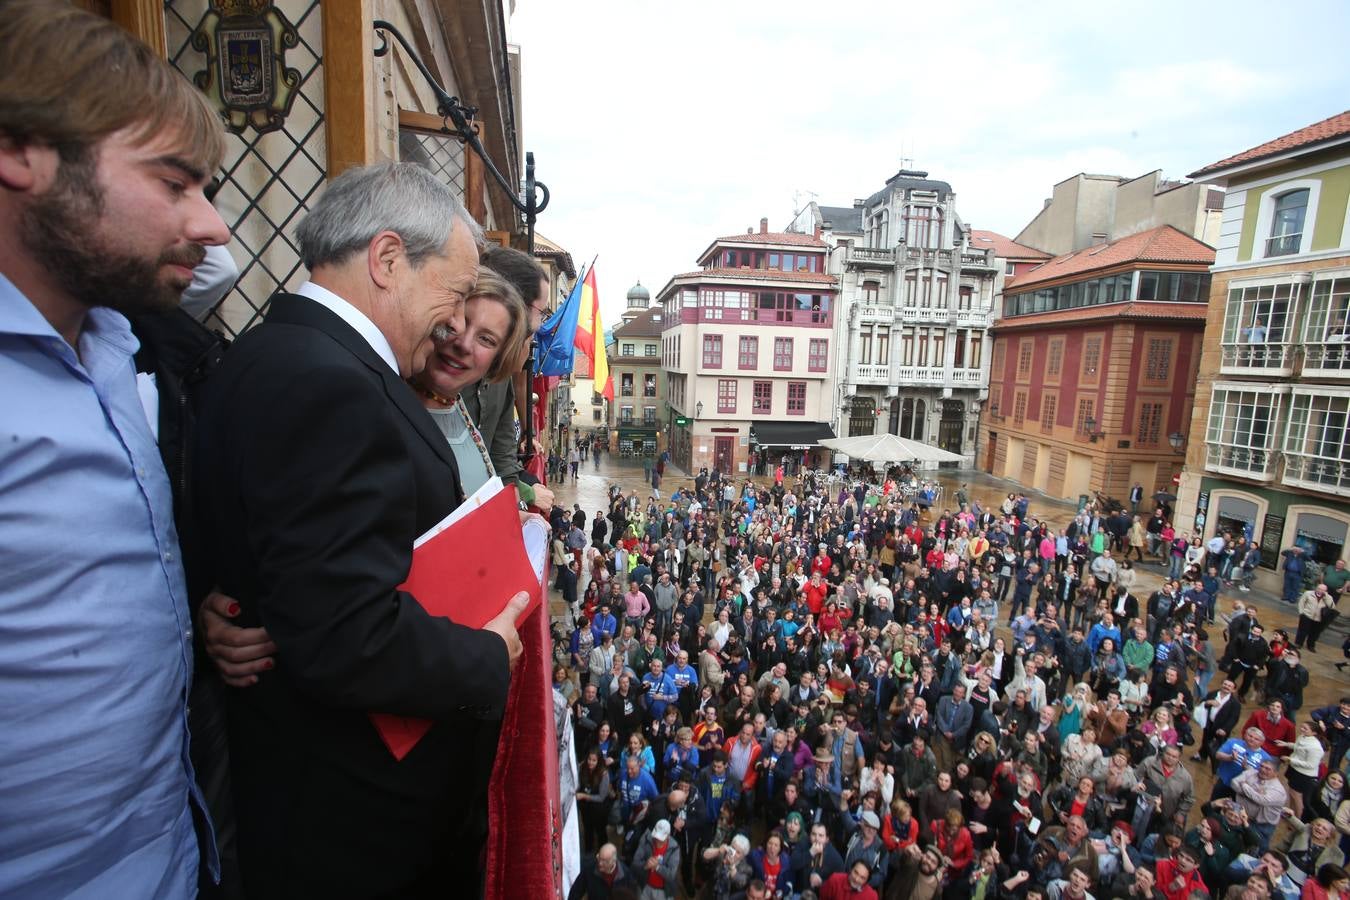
(659, 127)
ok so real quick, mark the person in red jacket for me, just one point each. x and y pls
(956, 844)
(1179, 876)
(743, 757)
(899, 829)
(1275, 725)
(850, 885)
(814, 593)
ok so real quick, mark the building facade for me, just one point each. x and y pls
(747, 340)
(1094, 363)
(1089, 210)
(1270, 438)
(636, 426)
(916, 298)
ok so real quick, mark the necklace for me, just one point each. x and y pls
(432, 395)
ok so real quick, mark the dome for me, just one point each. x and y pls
(639, 297)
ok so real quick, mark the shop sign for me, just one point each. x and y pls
(1272, 531)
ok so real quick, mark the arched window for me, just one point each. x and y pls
(920, 413)
(1286, 231)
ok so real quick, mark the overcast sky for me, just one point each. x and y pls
(660, 126)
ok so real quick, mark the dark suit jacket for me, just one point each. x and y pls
(1225, 718)
(318, 469)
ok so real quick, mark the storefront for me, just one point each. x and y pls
(637, 442)
(794, 444)
(1275, 519)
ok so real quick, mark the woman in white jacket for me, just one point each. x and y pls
(1304, 763)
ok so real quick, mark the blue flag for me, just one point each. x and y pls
(556, 338)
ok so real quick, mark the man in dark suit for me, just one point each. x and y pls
(318, 469)
(1222, 709)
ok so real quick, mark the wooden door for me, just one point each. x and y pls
(722, 454)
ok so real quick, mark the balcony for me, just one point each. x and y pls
(1284, 244)
(1326, 360)
(872, 257)
(1244, 462)
(965, 377)
(1317, 473)
(1257, 358)
(982, 259)
(869, 315)
(872, 375)
(911, 314)
(970, 318)
(920, 375)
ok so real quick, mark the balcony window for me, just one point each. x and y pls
(626, 384)
(1317, 442)
(796, 398)
(1258, 326)
(762, 398)
(748, 352)
(726, 395)
(1326, 328)
(625, 415)
(782, 354)
(818, 355)
(649, 385)
(649, 416)
(1242, 430)
(1286, 231)
(712, 351)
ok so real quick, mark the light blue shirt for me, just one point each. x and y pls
(95, 633)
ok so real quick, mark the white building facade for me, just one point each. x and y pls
(916, 301)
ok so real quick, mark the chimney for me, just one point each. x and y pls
(763, 226)
(749, 231)
(817, 232)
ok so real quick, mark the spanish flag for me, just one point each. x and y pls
(590, 336)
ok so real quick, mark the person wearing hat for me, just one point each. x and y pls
(657, 862)
(866, 846)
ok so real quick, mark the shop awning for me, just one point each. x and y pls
(793, 435)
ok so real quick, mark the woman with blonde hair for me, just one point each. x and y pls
(491, 346)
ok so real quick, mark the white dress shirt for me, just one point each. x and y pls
(359, 321)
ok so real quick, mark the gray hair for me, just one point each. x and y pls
(741, 844)
(404, 198)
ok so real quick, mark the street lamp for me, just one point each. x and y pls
(1090, 424)
(698, 410)
(1178, 441)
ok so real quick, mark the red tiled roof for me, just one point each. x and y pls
(646, 324)
(773, 237)
(1004, 247)
(1129, 310)
(758, 275)
(1163, 244)
(1328, 129)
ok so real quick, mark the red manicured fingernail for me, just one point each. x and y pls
(232, 609)
(267, 664)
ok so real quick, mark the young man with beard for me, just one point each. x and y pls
(102, 215)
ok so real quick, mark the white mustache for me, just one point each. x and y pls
(442, 333)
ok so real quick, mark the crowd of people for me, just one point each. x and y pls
(816, 690)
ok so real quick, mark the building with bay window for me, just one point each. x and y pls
(1269, 453)
(636, 424)
(916, 300)
(747, 347)
(1093, 366)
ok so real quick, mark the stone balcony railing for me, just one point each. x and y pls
(872, 256)
(872, 374)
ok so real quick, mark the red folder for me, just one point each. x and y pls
(466, 573)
